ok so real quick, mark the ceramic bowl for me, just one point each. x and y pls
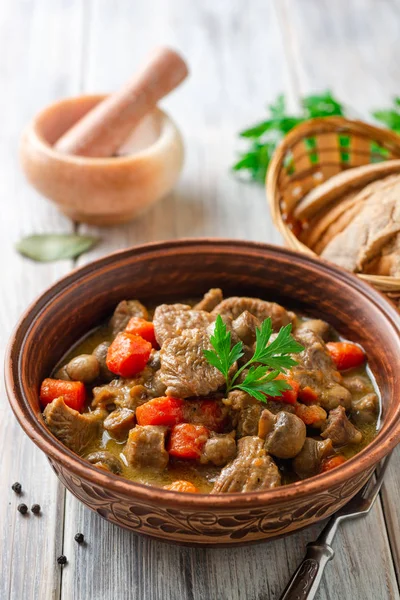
(101, 191)
(180, 269)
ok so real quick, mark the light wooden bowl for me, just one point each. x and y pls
(101, 191)
(315, 151)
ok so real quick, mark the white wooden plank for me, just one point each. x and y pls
(234, 74)
(390, 494)
(39, 45)
(156, 570)
(223, 94)
(228, 89)
(237, 65)
(346, 47)
(223, 207)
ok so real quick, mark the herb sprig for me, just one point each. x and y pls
(390, 117)
(266, 135)
(267, 362)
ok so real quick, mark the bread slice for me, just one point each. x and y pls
(342, 184)
(375, 224)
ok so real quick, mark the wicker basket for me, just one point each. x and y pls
(315, 151)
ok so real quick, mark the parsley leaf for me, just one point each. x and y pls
(277, 353)
(259, 384)
(268, 361)
(263, 137)
(223, 357)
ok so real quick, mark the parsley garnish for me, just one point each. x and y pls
(390, 117)
(264, 137)
(268, 360)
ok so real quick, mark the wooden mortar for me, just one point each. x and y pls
(67, 150)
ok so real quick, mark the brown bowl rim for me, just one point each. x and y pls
(169, 130)
(384, 442)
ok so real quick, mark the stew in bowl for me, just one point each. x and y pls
(227, 394)
(80, 307)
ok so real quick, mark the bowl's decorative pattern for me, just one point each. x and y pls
(189, 526)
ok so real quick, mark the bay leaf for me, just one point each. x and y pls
(49, 247)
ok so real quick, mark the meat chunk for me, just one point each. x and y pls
(129, 393)
(146, 447)
(365, 409)
(152, 382)
(245, 327)
(124, 311)
(185, 370)
(248, 419)
(170, 320)
(100, 352)
(219, 449)
(245, 412)
(210, 300)
(284, 433)
(309, 460)
(316, 369)
(252, 470)
(73, 429)
(119, 422)
(105, 460)
(317, 326)
(235, 306)
(123, 393)
(340, 430)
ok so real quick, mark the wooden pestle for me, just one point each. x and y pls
(104, 128)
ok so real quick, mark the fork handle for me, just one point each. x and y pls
(305, 582)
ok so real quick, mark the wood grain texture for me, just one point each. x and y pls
(241, 57)
(355, 60)
(32, 73)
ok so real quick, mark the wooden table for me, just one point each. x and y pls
(242, 54)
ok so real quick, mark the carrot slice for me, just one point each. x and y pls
(187, 440)
(166, 411)
(308, 395)
(143, 328)
(205, 412)
(128, 354)
(346, 355)
(182, 486)
(310, 415)
(73, 392)
(332, 463)
(288, 396)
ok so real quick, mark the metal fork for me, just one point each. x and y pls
(305, 581)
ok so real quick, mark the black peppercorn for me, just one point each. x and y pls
(16, 487)
(62, 560)
(79, 537)
(35, 508)
(22, 508)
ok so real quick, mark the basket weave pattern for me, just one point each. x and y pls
(312, 153)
